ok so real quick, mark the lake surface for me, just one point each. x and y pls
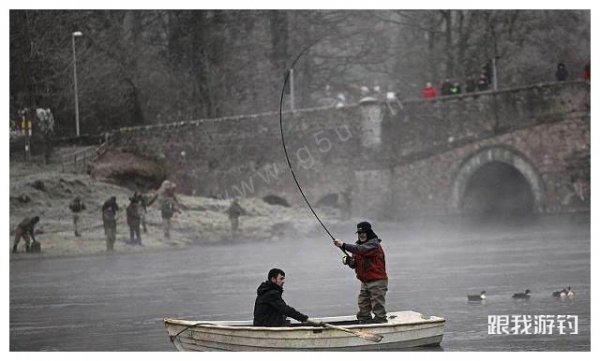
(117, 301)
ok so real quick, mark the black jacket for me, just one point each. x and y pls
(270, 309)
(77, 205)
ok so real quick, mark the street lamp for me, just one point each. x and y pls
(77, 33)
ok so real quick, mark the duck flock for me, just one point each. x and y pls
(565, 293)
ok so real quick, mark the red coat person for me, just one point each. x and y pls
(586, 74)
(429, 92)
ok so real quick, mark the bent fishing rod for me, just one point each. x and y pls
(285, 82)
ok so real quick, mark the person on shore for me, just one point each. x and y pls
(368, 261)
(269, 308)
(234, 212)
(167, 212)
(142, 209)
(471, 84)
(25, 230)
(109, 221)
(586, 73)
(77, 206)
(346, 200)
(429, 92)
(133, 221)
(455, 88)
(445, 88)
(482, 83)
(561, 72)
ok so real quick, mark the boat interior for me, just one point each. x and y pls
(338, 321)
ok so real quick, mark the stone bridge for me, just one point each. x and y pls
(516, 150)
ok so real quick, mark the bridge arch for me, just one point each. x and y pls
(507, 158)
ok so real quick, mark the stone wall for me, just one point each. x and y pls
(425, 144)
(396, 160)
(424, 128)
(243, 156)
(549, 154)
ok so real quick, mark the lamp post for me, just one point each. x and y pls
(76, 33)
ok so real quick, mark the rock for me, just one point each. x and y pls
(275, 200)
(39, 185)
(24, 198)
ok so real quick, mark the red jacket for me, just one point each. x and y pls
(369, 260)
(586, 73)
(429, 93)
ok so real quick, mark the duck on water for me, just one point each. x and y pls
(564, 293)
(479, 297)
(522, 296)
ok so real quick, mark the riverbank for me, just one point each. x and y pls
(45, 191)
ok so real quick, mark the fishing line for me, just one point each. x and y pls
(285, 82)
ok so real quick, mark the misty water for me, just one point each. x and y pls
(117, 301)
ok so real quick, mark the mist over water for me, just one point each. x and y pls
(117, 301)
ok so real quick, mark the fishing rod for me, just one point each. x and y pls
(285, 82)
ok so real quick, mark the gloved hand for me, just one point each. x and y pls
(348, 261)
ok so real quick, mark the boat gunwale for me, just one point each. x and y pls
(302, 328)
(208, 324)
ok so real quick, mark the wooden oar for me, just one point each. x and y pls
(362, 334)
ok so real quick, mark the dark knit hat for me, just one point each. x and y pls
(363, 227)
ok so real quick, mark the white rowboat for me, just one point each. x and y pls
(403, 330)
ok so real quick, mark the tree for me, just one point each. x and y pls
(151, 66)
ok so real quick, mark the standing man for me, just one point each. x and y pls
(346, 196)
(25, 230)
(471, 85)
(142, 209)
(482, 83)
(269, 308)
(235, 211)
(76, 207)
(561, 72)
(109, 219)
(368, 260)
(167, 211)
(133, 221)
(446, 85)
(429, 92)
(46, 125)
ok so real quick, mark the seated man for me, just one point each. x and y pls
(270, 309)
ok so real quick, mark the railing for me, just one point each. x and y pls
(78, 161)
